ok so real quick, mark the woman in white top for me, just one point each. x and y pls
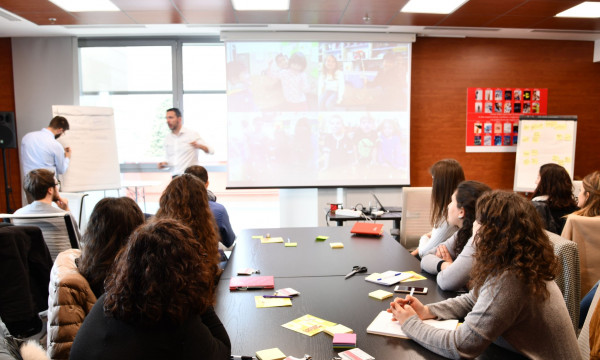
(446, 175)
(331, 84)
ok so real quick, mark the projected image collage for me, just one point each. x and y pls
(318, 114)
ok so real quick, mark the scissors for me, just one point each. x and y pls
(356, 269)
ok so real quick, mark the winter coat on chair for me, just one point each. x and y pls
(69, 302)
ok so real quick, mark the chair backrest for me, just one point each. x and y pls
(584, 232)
(577, 187)
(569, 278)
(58, 229)
(77, 206)
(584, 335)
(416, 210)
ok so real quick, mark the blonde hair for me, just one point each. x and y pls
(591, 185)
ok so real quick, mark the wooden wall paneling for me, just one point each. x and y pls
(7, 103)
(443, 69)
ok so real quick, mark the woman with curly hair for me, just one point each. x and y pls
(514, 301)
(554, 187)
(452, 260)
(446, 175)
(158, 302)
(186, 200)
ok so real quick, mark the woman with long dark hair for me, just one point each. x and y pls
(554, 187)
(77, 277)
(158, 302)
(446, 175)
(514, 300)
(452, 260)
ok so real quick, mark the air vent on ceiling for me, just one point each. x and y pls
(348, 26)
(459, 28)
(228, 26)
(105, 26)
(8, 16)
(567, 31)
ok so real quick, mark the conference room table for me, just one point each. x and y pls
(390, 216)
(317, 271)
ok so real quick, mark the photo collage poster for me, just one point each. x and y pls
(493, 116)
(318, 113)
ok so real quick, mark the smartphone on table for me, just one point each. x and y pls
(407, 289)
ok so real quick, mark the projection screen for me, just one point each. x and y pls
(318, 113)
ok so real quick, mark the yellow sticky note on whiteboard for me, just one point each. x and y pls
(536, 134)
(525, 153)
(551, 124)
(526, 162)
(567, 159)
(561, 163)
(561, 127)
(568, 137)
(534, 153)
(526, 127)
(536, 139)
(559, 137)
(534, 161)
(525, 139)
(555, 158)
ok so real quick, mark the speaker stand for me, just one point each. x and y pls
(7, 189)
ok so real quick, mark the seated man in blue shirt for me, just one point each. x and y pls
(218, 210)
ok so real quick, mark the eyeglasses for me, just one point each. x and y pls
(57, 183)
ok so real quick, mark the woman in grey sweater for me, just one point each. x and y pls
(514, 301)
(452, 260)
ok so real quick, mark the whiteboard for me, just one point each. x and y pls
(543, 140)
(92, 137)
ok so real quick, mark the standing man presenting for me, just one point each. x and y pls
(40, 150)
(182, 145)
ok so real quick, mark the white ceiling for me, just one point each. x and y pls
(25, 28)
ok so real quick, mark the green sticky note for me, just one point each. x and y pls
(257, 237)
(322, 238)
(291, 244)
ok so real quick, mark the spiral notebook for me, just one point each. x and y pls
(383, 325)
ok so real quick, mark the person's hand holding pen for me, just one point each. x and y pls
(68, 152)
(405, 308)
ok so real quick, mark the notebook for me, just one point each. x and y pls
(388, 278)
(367, 229)
(383, 325)
(250, 283)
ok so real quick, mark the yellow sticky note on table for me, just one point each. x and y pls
(534, 153)
(380, 294)
(568, 160)
(555, 158)
(535, 161)
(525, 153)
(291, 244)
(526, 162)
(536, 139)
(271, 240)
(559, 137)
(337, 245)
(270, 354)
(568, 137)
(257, 237)
(526, 127)
(415, 277)
(561, 162)
(551, 124)
(262, 302)
(308, 325)
(525, 139)
(338, 329)
(561, 127)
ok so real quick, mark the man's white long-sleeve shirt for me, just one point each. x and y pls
(40, 150)
(180, 153)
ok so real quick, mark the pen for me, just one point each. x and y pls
(288, 240)
(276, 297)
(389, 276)
(412, 291)
(242, 357)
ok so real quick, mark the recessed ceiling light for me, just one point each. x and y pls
(584, 10)
(432, 6)
(86, 5)
(269, 5)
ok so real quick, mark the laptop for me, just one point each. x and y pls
(389, 208)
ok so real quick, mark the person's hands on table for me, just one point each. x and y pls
(402, 310)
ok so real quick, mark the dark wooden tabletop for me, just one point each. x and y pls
(317, 272)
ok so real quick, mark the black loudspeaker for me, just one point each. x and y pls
(8, 134)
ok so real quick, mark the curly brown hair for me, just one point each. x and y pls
(160, 274)
(111, 223)
(512, 240)
(555, 182)
(447, 174)
(186, 200)
(591, 185)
